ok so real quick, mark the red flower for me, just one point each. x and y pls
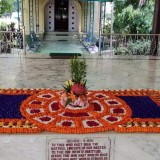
(78, 89)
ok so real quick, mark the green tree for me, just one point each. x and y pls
(6, 6)
(133, 16)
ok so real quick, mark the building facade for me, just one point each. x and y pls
(43, 16)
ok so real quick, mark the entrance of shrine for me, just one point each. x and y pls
(61, 15)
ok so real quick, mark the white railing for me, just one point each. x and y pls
(130, 44)
(124, 44)
(12, 42)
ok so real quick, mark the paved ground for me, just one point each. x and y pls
(102, 73)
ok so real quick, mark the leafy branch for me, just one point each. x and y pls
(78, 70)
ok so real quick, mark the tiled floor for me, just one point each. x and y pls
(102, 73)
(73, 46)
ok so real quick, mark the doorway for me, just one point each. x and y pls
(61, 15)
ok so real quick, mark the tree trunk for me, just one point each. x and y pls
(156, 29)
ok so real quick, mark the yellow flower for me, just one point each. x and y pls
(82, 82)
(69, 83)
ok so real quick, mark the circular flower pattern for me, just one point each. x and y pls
(105, 111)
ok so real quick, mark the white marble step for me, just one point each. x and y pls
(54, 38)
(51, 36)
(61, 33)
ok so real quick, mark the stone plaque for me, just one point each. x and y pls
(95, 148)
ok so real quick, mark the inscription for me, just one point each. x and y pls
(79, 149)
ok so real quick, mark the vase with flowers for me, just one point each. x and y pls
(75, 90)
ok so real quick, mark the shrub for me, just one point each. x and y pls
(135, 47)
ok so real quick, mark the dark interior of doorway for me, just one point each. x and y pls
(61, 15)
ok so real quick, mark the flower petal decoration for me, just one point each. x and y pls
(118, 110)
(95, 117)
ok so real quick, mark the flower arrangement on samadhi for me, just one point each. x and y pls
(75, 95)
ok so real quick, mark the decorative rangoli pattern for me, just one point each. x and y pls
(36, 110)
(104, 112)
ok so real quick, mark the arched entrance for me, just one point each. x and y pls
(61, 15)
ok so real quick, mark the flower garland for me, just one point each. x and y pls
(17, 126)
